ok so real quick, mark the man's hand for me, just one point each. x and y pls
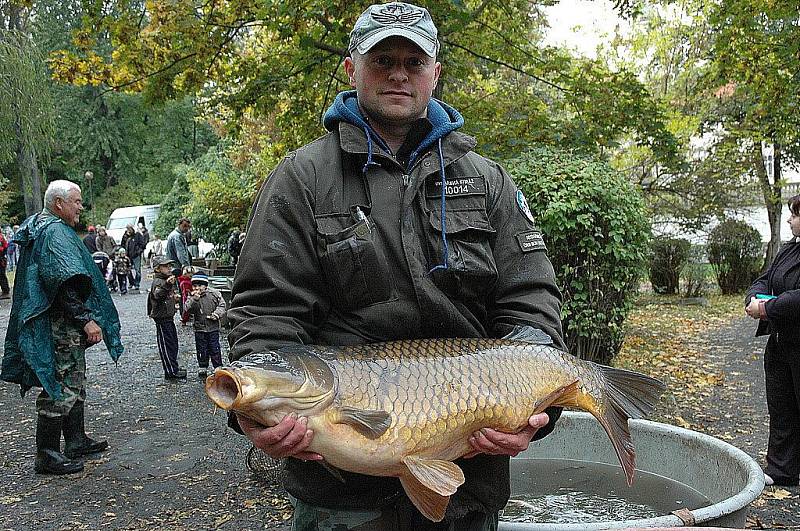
(488, 441)
(289, 438)
(93, 333)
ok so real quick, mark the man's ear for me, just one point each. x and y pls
(350, 70)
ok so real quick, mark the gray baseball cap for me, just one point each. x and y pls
(380, 21)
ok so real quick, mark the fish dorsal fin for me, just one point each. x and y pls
(369, 423)
(529, 334)
(566, 395)
(442, 477)
(428, 502)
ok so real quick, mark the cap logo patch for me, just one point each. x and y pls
(398, 14)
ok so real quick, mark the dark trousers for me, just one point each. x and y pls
(207, 344)
(136, 272)
(167, 337)
(782, 371)
(308, 517)
(4, 279)
(122, 280)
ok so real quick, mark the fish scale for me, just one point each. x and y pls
(408, 408)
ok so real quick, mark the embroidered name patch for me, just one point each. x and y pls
(456, 187)
(531, 241)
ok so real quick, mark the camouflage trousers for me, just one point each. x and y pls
(69, 345)
(312, 518)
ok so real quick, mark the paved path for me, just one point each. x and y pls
(736, 412)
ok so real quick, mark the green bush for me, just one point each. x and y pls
(734, 250)
(596, 228)
(214, 195)
(176, 204)
(667, 258)
(695, 274)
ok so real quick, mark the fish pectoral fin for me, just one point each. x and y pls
(369, 423)
(442, 477)
(333, 471)
(566, 395)
(429, 503)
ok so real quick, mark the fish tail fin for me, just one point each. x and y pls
(626, 395)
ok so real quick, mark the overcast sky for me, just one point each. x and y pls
(581, 24)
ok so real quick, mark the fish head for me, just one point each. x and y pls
(268, 386)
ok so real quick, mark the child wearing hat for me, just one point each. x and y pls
(206, 306)
(161, 307)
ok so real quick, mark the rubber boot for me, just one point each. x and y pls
(49, 459)
(77, 443)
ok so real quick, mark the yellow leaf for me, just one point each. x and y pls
(779, 494)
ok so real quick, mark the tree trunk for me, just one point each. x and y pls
(771, 191)
(31, 179)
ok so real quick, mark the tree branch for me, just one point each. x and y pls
(150, 74)
(342, 52)
(509, 66)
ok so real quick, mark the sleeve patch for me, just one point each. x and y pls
(531, 241)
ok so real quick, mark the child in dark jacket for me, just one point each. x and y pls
(122, 268)
(206, 307)
(161, 307)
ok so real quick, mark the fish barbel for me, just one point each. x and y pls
(407, 408)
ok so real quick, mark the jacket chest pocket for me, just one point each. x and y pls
(355, 268)
(472, 271)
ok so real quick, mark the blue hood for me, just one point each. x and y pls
(344, 108)
(444, 120)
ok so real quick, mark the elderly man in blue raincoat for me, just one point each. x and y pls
(60, 306)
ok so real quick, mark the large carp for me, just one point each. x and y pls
(407, 408)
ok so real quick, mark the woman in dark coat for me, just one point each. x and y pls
(774, 299)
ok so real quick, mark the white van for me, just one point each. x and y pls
(122, 217)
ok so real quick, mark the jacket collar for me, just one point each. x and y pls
(353, 140)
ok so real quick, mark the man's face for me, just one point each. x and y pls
(394, 81)
(184, 227)
(69, 209)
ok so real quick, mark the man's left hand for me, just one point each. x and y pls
(489, 441)
(93, 333)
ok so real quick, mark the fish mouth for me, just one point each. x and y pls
(223, 388)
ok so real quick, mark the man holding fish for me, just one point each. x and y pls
(391, 227)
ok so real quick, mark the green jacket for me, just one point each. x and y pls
(50, 254)
(338, 255)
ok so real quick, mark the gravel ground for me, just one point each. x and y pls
(173, 464)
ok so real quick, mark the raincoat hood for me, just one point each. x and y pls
(50, 254)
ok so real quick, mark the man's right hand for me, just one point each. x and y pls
(289, 438)
(93, 333)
